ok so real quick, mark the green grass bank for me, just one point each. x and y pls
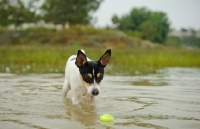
(124, 61)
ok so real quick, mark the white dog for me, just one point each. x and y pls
(83, 76)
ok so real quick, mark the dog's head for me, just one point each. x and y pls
(92, 72)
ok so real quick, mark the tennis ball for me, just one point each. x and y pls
(107, 118)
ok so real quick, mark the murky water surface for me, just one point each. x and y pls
(170, 99)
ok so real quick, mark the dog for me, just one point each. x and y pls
(83, 76)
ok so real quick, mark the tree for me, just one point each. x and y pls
(153, 26)
(71, 11)
(162, 26)
(149, 33)
(15, 12)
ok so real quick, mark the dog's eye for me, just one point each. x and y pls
(87, 79)
(99, 78)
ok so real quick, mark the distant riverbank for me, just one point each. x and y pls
(125, 61)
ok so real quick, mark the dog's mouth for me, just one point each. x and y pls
(93, 92)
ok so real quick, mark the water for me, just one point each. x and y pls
(169, 99)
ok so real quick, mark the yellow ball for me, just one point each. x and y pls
(107, 118)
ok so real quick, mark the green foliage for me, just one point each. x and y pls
(51, 59)
(152, 26)
(147, 33)
(15, 12)
(71, 11)
(174, 41)
(74, 36)
(191, 41)
(18, 12)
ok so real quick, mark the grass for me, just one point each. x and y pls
(126, 61)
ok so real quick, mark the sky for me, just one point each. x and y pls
(181, 13)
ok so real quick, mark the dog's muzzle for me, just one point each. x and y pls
(95, 92)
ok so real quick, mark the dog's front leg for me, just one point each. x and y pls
(66, 88)
(75, 100)
(76, 97)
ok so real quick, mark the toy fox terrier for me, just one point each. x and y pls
(83, 76)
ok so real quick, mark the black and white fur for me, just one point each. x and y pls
(83, 76)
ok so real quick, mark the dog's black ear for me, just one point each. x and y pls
(105, 58)
(80, 59)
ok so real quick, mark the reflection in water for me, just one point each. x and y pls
(169, 99)
(85, 112)
(148, 83)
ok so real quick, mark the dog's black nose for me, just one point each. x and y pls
(95, 92)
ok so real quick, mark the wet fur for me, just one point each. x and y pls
(83, 76)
